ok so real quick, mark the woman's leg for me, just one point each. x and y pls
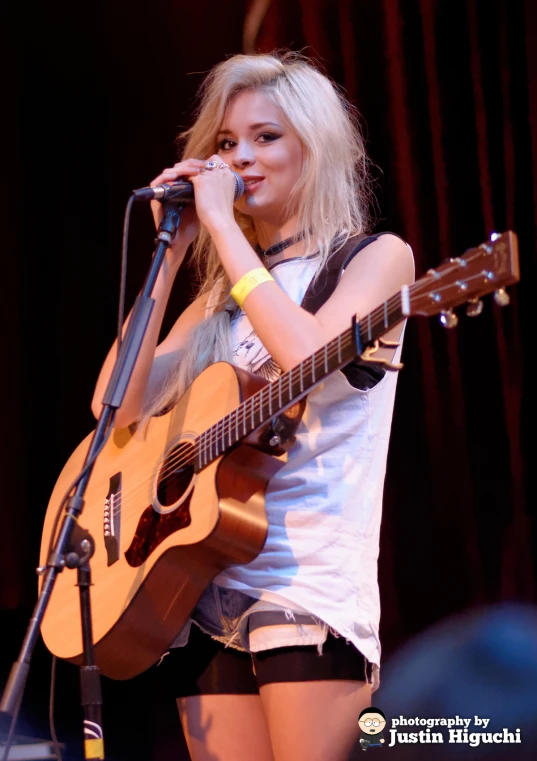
(218, 701)
(314, 721)
(225, 728)
(307, 709)
(311, 701)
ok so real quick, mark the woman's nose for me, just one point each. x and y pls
(243, 155)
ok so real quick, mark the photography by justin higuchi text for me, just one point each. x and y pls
(471, 731)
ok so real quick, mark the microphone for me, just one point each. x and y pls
(182, 190)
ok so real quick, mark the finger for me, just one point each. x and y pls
(187, 168)
(215, 162)
(170, 175)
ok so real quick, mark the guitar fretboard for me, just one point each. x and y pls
(290, 387)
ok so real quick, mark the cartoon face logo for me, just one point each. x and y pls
(371, 721)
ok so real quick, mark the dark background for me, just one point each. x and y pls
(94, 97)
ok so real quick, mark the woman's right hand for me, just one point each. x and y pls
(189, 224)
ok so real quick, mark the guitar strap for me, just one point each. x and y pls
(322, 287)
(359, 374)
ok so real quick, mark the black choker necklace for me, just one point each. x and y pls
(277, 247)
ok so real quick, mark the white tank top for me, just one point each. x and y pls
(324, 505)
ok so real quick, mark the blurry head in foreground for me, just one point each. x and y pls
(470, 668)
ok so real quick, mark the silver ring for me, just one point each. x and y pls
(210, 165)
(223, 165)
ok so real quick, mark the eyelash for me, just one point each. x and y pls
(223, 143)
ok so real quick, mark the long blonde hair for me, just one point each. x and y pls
(331, 198)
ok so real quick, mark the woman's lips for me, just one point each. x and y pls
(252, 185)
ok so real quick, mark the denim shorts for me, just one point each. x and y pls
(246, 623)
(240, 643)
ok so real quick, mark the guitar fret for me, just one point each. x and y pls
(280, 405)
(369, 334)
(208, 448)
(290, 384)
(210, 445)
(270, 402)
(237, 424)
(244, 420)
(339, 349)
(301, 377)
(385, 314)
(326, 358)
(214, 442)
(252, 409)
(223, 435)
(313, 369)
(260, 405)
(229, 430)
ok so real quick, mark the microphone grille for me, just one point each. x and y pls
(239, 186)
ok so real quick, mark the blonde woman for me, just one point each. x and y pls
(281, 654)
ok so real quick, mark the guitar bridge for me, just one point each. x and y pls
(112, 519)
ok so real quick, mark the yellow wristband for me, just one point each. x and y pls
(248, 282)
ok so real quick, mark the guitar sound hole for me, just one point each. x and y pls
(176, 474)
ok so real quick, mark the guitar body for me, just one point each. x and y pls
(157, 548)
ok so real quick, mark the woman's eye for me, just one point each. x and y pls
(267, 137)
(225, 145)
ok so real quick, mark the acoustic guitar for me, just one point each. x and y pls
(170, 506)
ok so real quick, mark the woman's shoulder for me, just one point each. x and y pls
(358, 242)
(385, 253)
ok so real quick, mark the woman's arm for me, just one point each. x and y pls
(290, 333)
(153, 363)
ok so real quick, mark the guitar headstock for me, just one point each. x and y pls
(489, 267)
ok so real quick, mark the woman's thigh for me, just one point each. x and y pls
(225, 728)
(290, 721)
(294, 705)
(314, 721)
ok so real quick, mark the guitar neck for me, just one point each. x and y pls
(290, 387)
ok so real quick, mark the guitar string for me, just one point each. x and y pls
(232, 421)
(183, 458)
(214, 434)
(255, 406)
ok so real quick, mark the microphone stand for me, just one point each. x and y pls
(74, 546)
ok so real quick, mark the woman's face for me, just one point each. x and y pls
(257, 143)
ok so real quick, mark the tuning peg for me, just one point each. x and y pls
(448, 319)
(494, 236)
(474, 308)
(501, 297)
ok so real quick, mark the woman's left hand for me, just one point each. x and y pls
(214, 193)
